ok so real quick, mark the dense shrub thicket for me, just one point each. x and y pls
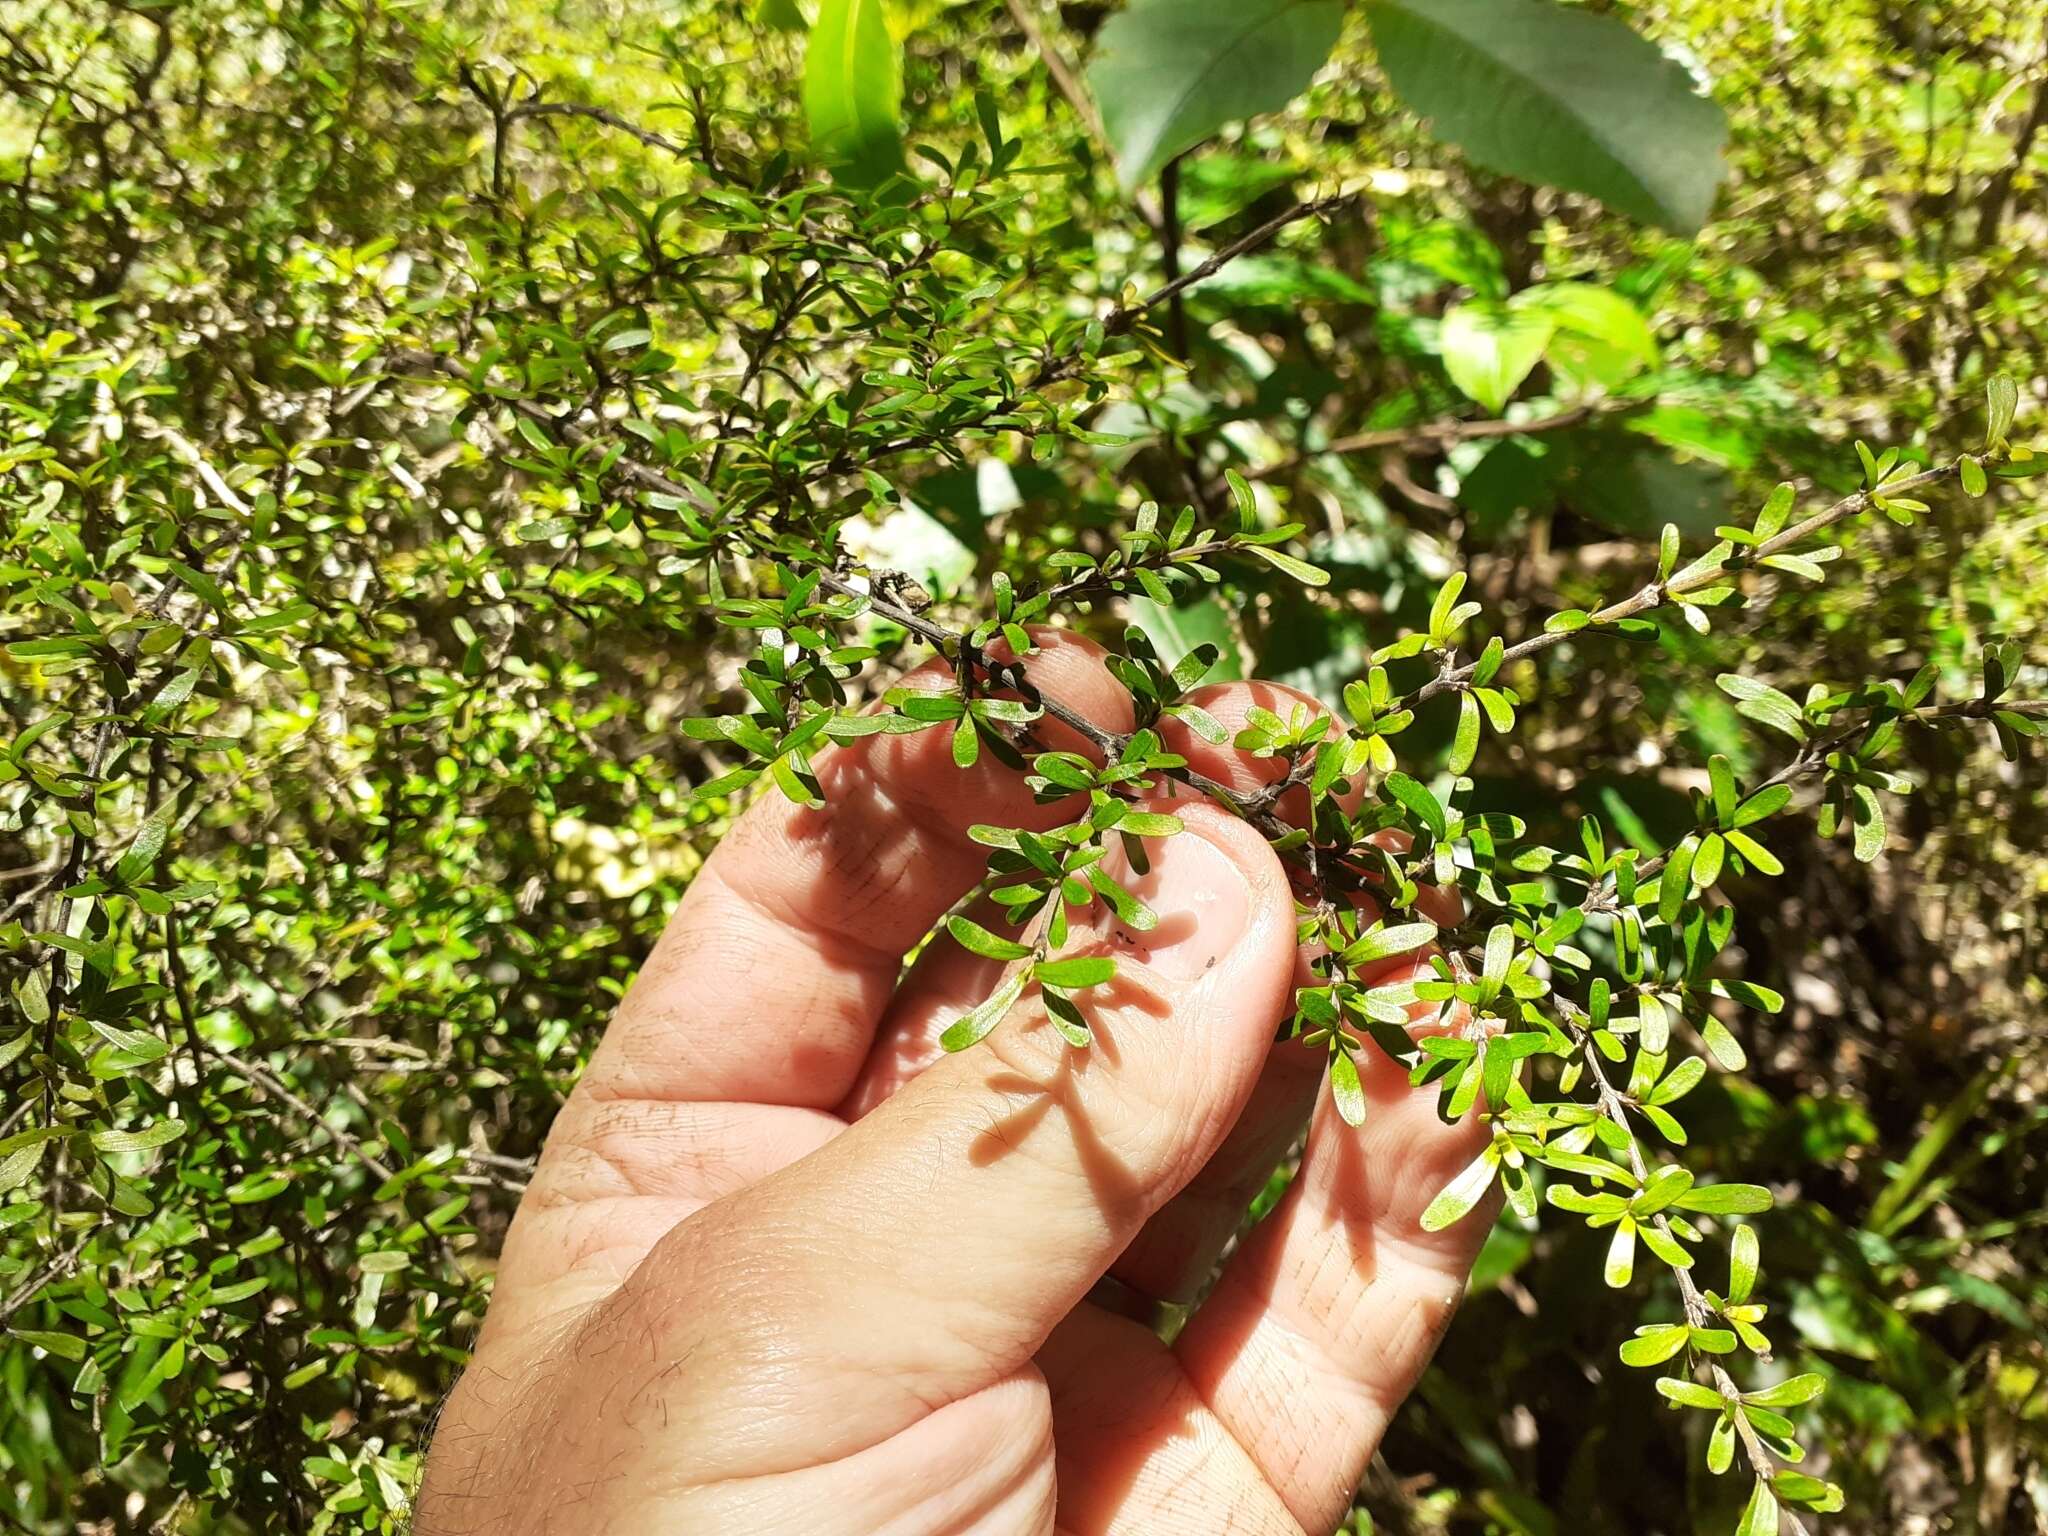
(412, 420)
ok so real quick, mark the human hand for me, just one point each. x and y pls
(787, 1266)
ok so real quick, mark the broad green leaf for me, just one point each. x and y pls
(1561, 96)
(1488, 349)
(1168, 73)
(1600, 340)
(852, 90)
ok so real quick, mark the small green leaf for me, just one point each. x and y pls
(1721, 1446)
(1680, 1081)
(1768, 801)
(1744, 1256)
(975, 939)
(1706, 864)
(2001, 399)
(65, 1346)
(1690, 1394)
(1300, 570)
(1655, 1344)
(1067, 1019)
(149, 842)
(1676, 883)
(1868, 823)
(1621, 1253)
(1462, 1193)
(1415, 796)
(156, 1135)
(1726, 1049)
(1465, 745)
(1791, 1392)
(1726, 1199)
(1149, 824)
(1076, 970)
(970, 1028)
(1380, 943)
(1761, 1517)
(1346, 1089)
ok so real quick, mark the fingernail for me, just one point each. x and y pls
(1200, 897)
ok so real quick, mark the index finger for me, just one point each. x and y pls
(767, 983)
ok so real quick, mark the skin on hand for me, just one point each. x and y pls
(785, 1266)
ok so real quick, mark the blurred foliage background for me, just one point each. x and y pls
(349, 722)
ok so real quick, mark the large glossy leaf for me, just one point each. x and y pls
(1169, 73)
(1558, 96)
(852, 90)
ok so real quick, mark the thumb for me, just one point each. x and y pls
(928, 1251)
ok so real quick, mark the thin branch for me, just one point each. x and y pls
(1120, 320)
(1697, 1313)
(1812, 757)
(1997, 196)
(1169, 248)
(598, 114)
(56, 1269)
(1701, 573)
(270, 1083)
(1445, 431)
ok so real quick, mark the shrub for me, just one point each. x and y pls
(440, 489)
